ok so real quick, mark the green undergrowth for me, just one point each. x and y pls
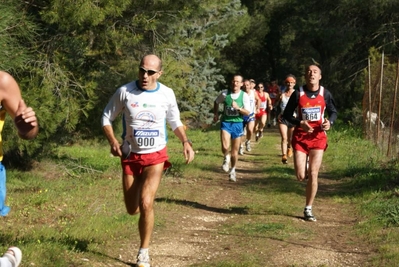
(68, 210)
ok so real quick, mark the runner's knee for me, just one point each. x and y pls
(146, 204)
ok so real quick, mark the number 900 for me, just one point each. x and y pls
(145, 142)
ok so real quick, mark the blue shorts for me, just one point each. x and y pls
(249, 118)
(3, 208)
(235, 129)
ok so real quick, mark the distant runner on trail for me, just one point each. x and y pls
(261, 116)
(249, 121)
(274, 92)
(309, 138)
(286, 128)
(235, 106)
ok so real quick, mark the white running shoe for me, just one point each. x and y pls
(226, 164)
(248, 145)
(232, 176)
(241, 150)
(308, 215)
(14, 255)
(143, 260)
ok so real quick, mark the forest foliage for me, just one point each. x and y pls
(69, 56)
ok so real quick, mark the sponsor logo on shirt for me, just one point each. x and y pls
(146, 119)
(311, 110)
(146, 133)
(149, 106)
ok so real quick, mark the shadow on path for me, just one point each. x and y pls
(232, 210)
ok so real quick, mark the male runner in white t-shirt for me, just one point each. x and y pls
(146, 105)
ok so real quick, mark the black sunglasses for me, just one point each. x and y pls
(149, 72)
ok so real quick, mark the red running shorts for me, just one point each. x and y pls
(136, 162)
(305, 142)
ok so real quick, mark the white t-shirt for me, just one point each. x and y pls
(283, 103)
(252, 99)
(145, 113)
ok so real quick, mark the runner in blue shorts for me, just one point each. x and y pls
(235, 105)
(234, 129)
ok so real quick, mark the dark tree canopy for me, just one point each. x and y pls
(70, 56)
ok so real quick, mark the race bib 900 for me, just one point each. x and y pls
(230, 111)
(311, 113)
(146, 138)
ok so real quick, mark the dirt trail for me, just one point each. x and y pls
(190, 231)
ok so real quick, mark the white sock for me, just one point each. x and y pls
(308, 207)
(227, 157)
(233, 169)
(143, 251)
